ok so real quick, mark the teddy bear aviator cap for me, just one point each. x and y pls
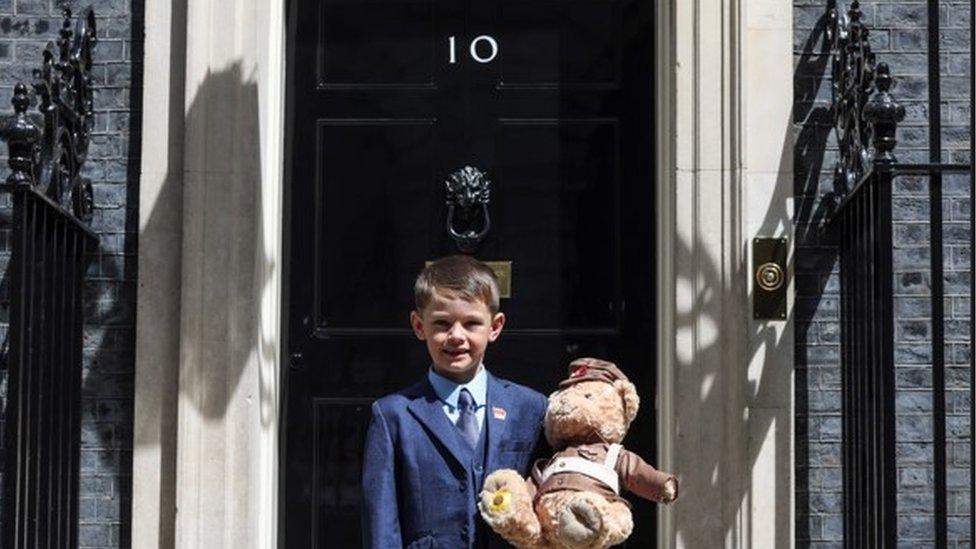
(591, 369)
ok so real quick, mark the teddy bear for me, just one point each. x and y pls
(572, 500)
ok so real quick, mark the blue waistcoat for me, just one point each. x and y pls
(476, 472)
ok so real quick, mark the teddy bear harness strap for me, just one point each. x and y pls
(602, 472)
(613, 454)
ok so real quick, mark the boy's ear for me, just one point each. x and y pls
(417, 323)
(497, 323)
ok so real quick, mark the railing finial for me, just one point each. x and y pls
(51, 159)
(865, 113)
(884, 78)
(883, 113)
(22, 137)
(20, 100)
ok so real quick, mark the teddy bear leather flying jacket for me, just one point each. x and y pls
(632, 473)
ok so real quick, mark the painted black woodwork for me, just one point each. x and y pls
(561, 123)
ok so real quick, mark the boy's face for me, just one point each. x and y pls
(457, 333)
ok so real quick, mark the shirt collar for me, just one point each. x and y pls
(448, 390)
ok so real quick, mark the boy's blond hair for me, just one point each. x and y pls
(461, 275)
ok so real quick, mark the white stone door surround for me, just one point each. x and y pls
(211, 258)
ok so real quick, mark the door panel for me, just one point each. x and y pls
(399, 50)
(560, 120)
(338, 426)
(559, 204)
(374, 190)
(562, 44)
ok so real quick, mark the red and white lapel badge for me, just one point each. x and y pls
(498, 412)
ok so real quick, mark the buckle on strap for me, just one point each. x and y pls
(613, 454)
(597, 471)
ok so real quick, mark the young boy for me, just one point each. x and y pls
(430, 446)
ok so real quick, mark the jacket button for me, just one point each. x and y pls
(462, 486)
(464, 531)
(478, 469)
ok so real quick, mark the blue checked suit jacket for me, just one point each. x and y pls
(419, 487)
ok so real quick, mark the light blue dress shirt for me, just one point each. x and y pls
(448, 391)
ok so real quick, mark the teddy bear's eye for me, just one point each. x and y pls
(588, 396)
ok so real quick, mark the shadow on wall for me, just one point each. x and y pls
(706, 478)
(818, 466)
(815, 194)
(221, 217)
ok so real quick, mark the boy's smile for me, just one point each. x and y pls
(457, 333)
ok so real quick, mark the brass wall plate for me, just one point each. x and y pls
(503, 272)
(769, 278)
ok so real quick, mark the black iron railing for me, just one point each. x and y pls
(866, 118)
(52, 205)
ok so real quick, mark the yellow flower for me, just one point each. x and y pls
(500, 500)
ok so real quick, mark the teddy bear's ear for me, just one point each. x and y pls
(628, 393)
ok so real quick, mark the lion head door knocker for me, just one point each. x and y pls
(468, 191)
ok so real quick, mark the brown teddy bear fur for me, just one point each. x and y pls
(586, 412)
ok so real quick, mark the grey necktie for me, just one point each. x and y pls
(467, 422)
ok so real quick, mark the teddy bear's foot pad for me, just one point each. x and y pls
(580, 524)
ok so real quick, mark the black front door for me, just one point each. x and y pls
(553, 101)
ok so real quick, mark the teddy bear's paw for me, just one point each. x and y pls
(580, 523)
(506, 505)
(670, 492)
(503, 494)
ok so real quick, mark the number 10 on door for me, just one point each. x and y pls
(473, 49)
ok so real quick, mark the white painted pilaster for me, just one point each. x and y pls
(725, 410)
(227, 466)
(207, 393)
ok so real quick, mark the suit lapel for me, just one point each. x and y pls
(429, 411)
(496, 419)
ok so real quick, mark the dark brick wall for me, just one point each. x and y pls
(113, 166)
(899, 37)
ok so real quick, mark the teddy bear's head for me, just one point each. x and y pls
(595, 404)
